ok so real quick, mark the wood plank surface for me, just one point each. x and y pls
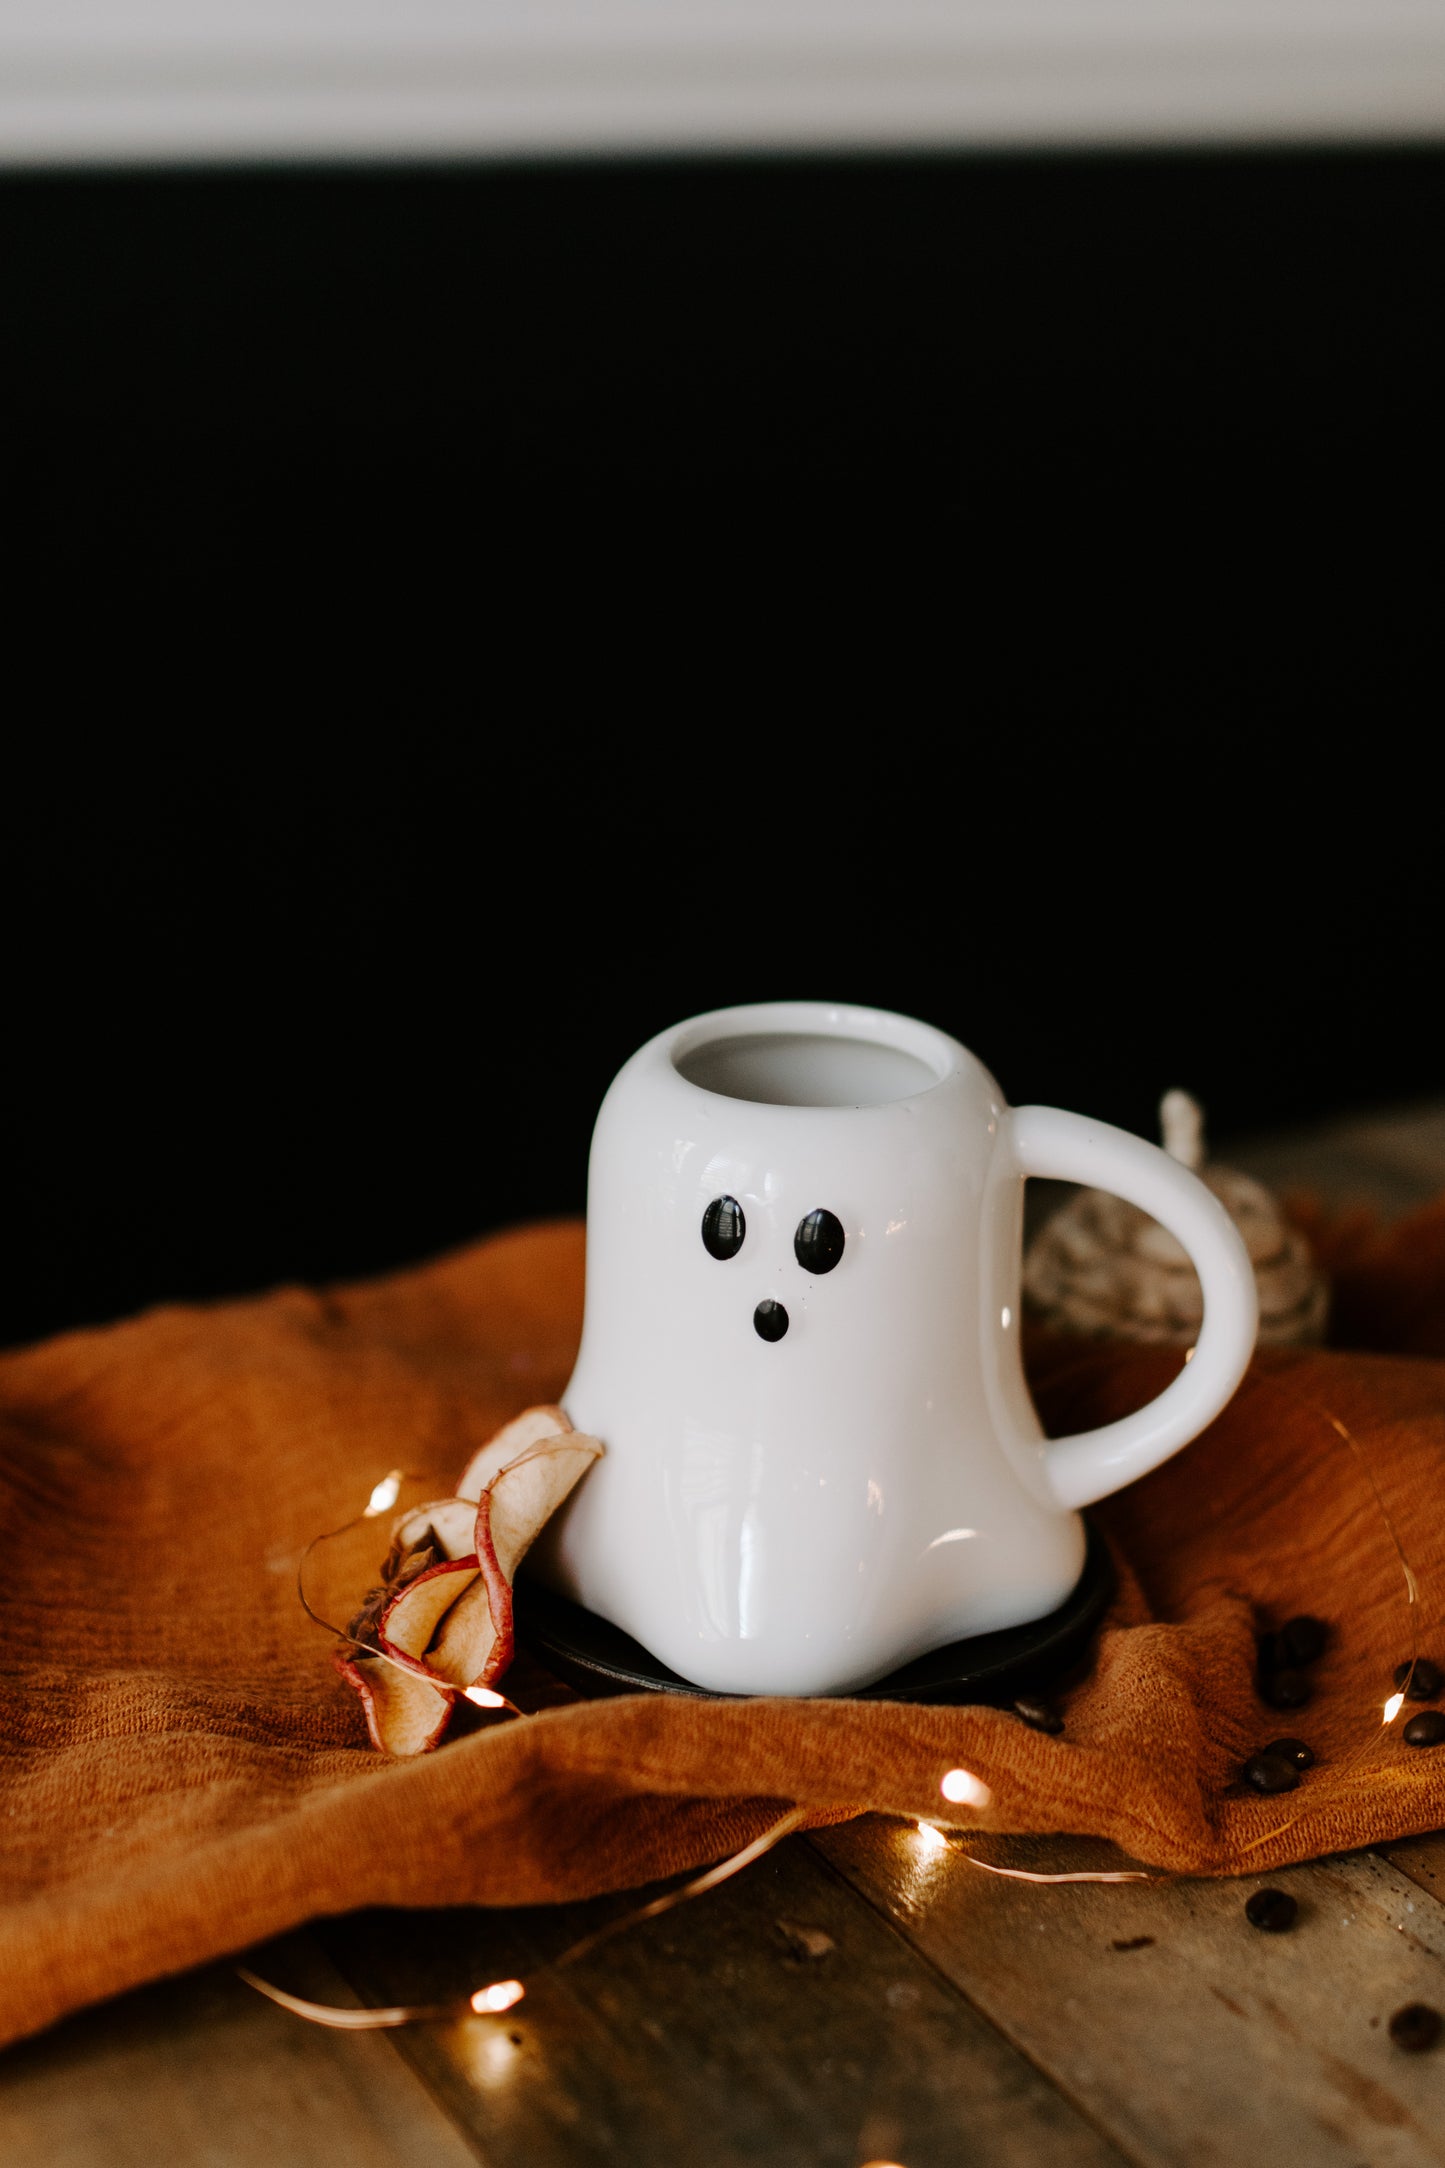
(1422, 1859)
(777, 2020)
(203, 2070)
(1187, 2034)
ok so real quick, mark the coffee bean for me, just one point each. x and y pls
(1272, 1911)
(1270, 1773)
(1302, 1640)
(1291, 1750)
(1426, 1729)
(1426, 1679)
(1286, 1689)
(1415, 2028)
(1042, 1715)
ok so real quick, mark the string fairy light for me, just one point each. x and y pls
(1395, 1701)
(697, 1887)
(1392, 1708)
(1024, 1874)
(384, 1497)
(958, 1786)
(963, 1788)
(340, 2019)
(499, 1995)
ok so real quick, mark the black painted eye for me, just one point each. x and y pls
(723, 1228)
(818, 1243)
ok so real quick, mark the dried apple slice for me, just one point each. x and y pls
(476, 1641)
(414, 1613)
(448, 1524)
(405, 1713)
(475, 1644)
(407, 1709)
(526, 1493)
(529, 1428)
(447, 1627)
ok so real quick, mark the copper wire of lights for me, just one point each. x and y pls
(501, 1995)
(1392, 1707)
(497, 1995)
(1395, 1701)
(1023, 1874)
(957, 1786)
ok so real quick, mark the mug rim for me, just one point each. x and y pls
(940, 1054)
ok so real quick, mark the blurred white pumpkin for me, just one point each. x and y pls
(1104, 1269)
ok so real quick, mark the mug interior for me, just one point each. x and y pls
(805, 1069)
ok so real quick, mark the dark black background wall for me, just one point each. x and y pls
(462, 621)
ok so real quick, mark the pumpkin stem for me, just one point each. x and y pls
(1181, 1121)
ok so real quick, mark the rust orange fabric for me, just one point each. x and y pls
(182, 1773)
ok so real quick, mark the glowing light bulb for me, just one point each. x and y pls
(485, 1698)
(501, 1995)
(1393, 1707)
(387, 1491)
(933, 1838)
(965, 1789)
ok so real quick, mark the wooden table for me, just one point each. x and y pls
(860, 1995)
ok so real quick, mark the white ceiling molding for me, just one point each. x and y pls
(226, 80)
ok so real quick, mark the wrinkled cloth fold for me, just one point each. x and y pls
(182, 1773)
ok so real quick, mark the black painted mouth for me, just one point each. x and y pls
(770, 1320)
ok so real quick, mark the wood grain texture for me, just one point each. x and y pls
(1181, 2030)
(204, 2070)
(1422, 1859)
(778, 2020)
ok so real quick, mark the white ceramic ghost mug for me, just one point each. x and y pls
(801, 1351)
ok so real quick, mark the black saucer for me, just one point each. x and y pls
(598, 1658)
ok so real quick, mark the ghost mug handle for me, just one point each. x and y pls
(1072, 1148)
